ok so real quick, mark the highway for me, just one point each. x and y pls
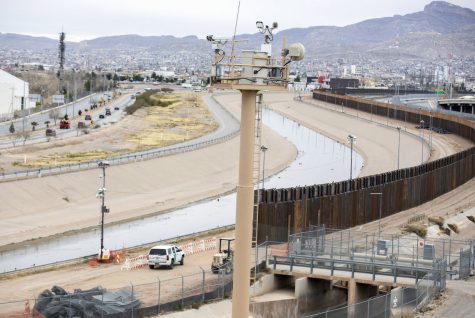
(24, 123)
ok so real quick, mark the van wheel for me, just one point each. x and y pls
(182, 262)
(171, 265)
(151, 266)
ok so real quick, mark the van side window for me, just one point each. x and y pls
(169, 251)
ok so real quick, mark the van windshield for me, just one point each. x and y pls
(158, 251)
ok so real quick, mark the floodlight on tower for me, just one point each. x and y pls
(249, 72)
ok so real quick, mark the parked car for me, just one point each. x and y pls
(165, 255)
(101, 116)
(108, 112)
(50, 132)
(87, 117)
(64, 124)
(116, 108)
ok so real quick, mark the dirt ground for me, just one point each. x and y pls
(16, 288)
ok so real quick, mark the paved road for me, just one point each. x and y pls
(71, 109)
(121, 103)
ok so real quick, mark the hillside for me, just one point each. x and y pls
(440, 28)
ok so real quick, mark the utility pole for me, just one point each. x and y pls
(264, 149)
(101, 193)
(254, 76)
(422, 141)
(398, 145)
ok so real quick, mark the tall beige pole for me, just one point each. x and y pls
(244, 206)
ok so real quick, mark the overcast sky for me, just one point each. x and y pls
(85, 19)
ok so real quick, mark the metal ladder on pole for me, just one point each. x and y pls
(257, 168)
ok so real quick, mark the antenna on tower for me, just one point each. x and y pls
(61, 50)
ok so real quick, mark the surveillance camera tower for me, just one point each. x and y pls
(250, 72)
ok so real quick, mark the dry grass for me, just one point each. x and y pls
(185, 118)
(437, 220)
(416, 228)
(445, 231)
(64, 159)
(454, 227)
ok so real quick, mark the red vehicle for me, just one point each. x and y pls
(64, 124)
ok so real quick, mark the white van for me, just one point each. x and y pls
(165, 255)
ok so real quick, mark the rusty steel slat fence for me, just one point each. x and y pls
(349, 203)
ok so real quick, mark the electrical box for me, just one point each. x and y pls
(382, 247)
(429, 251)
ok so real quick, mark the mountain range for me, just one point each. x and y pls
(440, 29)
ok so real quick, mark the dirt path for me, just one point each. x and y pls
(15, 289)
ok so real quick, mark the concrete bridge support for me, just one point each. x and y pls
(358, 292)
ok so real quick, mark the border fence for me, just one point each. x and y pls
(349, 203)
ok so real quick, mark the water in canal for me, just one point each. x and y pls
(319, 160)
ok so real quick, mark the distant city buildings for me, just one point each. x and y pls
(187, 65)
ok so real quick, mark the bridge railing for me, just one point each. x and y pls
(399, 302)
(404, 249)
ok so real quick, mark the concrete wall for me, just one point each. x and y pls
(286, 308)
(286, 296)
(315, 295)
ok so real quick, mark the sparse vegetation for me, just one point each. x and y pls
(446, 231)
(417, 228)
(471, 218)
(196, 305)
(64, 158)
(150, 98)
(437, 220)
(454, 227)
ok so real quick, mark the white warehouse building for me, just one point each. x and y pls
(14, 94)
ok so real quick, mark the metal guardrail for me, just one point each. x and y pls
(394, 249)
(372, 267)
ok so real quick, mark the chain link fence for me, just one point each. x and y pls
(197, 288)
(185, 291)
(408, 249)
(399, 302)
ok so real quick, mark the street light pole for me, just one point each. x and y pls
(101, 194)
(351, 140)
(398, 145)
(264, 149)
(380, 210)
(422, 141)
(430, 133)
